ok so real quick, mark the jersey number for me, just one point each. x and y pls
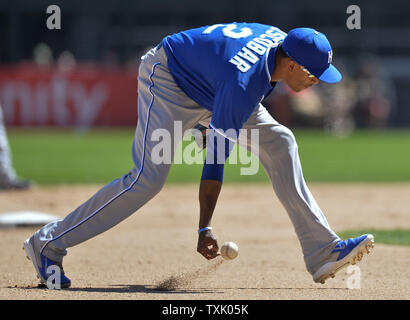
(229, 32)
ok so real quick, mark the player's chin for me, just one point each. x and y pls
(297, 88)
(302, 87)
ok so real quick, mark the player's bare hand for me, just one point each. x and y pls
(208, 245)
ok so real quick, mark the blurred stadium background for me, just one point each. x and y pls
(69, 95)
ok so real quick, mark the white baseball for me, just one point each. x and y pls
(229, 250)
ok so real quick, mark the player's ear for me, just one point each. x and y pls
(291, 65)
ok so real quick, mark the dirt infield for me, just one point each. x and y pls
(152, 255)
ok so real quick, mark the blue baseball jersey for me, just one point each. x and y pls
(226, 68)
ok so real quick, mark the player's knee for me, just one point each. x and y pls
(290, 138)
(151, 183)
(284, 139)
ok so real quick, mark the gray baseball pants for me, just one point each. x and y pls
(160, 103)
(7, 172)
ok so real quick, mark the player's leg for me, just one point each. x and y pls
(324, 252)
(160, 104)
(278, 153)
(6, 170)
(8, 177)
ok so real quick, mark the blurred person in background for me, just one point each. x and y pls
(42, 54)
(66, 61)
(8, 177)
(376, 94)
(338, 105)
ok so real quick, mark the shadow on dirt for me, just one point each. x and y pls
(129, 289)
(149, 289)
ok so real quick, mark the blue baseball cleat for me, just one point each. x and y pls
(49, 272)
(345, 252)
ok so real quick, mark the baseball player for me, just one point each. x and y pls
(216, 76)
(8, 177)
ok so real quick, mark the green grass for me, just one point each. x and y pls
(372, 156)
(65, 156)
(394, 237)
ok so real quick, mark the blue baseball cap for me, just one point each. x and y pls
(311, 49)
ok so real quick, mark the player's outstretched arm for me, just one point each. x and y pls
(208, 196)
